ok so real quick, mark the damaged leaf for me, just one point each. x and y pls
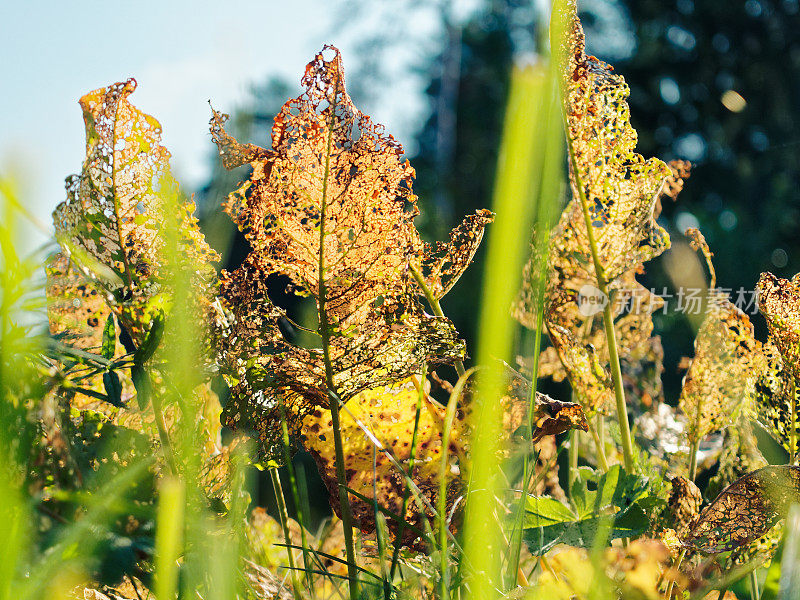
(389, 413)
(620, 189)
(330, 207)
(746, 509)
(720, 378)
(76, 309)
(115, 209)
(776, 385)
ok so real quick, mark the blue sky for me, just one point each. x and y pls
(182, 54)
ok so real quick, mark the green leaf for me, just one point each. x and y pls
(151, 341)
(144, 388)
(607, 506)
(109, 338)
(113, 388)
(612, 489)
(542, 511)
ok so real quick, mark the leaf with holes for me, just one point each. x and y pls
(330, 207)
(721, 376)
(614, 193)
(776, 385)
(388, 415)
(746, 509)
(111, 223)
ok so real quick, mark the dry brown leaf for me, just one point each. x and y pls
(330, 207)
(684, 503)
(111, 223)
(746, 509)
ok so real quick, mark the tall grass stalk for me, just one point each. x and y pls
(283, 514)
(300, 506)
(547, 174)
(514, 204)
(169, 536)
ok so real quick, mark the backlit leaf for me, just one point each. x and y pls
(721, 376)
(746, 509)
(330, 207)
(620, 189)
(776, 385)
(389, 415)
(112, 219)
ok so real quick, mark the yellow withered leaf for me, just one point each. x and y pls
(331, 207)
(111, 223)
(388, 414)
(76, 309)
(614, 193)
(776, 385)
(779, 302)
(721, 376)
(619, 185)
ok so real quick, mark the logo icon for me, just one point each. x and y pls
(591, 301)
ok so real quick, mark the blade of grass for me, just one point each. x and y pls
(515, 206)
(277, 487)
(548, 162)
(169, 537)
(300, 507)
(444, 467)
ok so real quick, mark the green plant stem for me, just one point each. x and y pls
(755, 593)
(608, 317)
(693, 449)
(433, 302)
(601, 430)
(163, 434)
(601, 451)
(296, 496)
(444, 465)
(275, 478)
(333, 397)
(516, 533)
(676, 566)
(573, 459)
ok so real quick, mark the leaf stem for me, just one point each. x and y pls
(284, 516)
(163, 434)
(433, 302)
(574, 449)
(296, 496)
(333, 397)
(608, 317)
(676, 567)
(599, 444)
(755, 593)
